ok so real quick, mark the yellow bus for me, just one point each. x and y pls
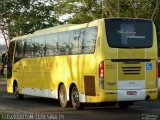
(103, 61)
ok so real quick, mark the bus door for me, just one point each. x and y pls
(10, 59)
(18, 62)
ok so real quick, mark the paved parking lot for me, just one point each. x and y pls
(43, 108)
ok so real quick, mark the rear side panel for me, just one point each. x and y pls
(130, 78)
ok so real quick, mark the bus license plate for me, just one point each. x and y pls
(131, 92)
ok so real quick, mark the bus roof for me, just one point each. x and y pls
(20, 37)
(65, 27)
(51, 29)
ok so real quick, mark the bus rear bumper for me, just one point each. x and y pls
(137, 95)
(121, 95)
(130, 95)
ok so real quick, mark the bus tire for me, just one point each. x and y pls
(75, 98)
(16, 92)
(62, 96)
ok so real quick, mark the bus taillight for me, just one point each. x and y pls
(101, 74)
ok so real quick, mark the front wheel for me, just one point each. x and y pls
(75, 98)
(16, 93)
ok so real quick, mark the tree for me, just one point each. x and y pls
(21, 17)
(82, 10)
(88, 10)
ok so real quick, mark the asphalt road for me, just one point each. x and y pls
(36, 108)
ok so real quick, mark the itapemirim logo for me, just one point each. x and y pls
(146, 116)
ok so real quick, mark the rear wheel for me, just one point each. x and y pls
(62, 96)
(75, 98)
(16, 92)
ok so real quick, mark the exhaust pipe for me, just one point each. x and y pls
(147, 97)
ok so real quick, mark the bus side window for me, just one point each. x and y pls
(89, 40)
(63, 41)
(28, 48)
(76, 41)
(51, 44)
(38, 46)
(18, 51)
(35, 47)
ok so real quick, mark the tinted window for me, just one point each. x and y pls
(83, 40)
(89, 39)
(28, 48)
(35, 45)
(80, 41)
(52, 44)
(38, 44)
(76, 41)
(129, 33)
(19, 50)
(64, 43)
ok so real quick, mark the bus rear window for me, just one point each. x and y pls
(129, 33)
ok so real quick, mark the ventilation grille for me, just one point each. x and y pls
(131, 70)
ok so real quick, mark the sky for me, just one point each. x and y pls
(2, 42)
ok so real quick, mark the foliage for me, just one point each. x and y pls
(82, 10)
(88, 10)
(21, 17)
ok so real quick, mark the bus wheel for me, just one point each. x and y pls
(75, 98)
(16, 92)
(62, 95)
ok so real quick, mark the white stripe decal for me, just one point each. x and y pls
(117, 53)
(117, 74)
(131, 84)
(145, 73)
(117, 66)
(48, 93)
(40, 92)
(145, 53)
